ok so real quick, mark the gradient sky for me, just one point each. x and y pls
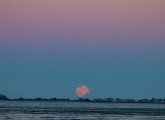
(115, 47)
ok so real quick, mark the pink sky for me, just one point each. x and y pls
(137, 19)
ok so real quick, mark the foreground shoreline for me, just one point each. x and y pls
(63, 110)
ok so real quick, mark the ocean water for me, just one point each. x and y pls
(33, 110)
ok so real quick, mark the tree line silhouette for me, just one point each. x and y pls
(110, 100)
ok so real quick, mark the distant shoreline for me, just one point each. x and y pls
(107, 100)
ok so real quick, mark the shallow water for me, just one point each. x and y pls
(33, 110)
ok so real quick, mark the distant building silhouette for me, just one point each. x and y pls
(3, 97)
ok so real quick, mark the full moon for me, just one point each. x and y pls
(82, 90)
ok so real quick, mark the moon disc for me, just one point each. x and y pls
(82, 90)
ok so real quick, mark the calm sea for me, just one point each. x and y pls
(28, 110)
